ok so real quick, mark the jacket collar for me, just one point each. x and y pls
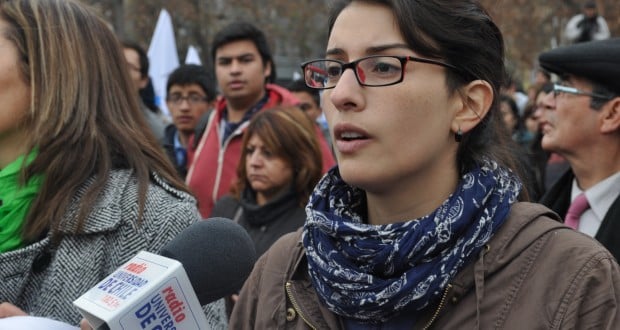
(277, 96)
(270, 211)
(105, 215)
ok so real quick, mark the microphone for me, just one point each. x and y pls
(207, 261)
(217, 254)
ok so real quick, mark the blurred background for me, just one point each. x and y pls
(297, 29)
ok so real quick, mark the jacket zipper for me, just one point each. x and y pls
(296, 307)
(442, 303)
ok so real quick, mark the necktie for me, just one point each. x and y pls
(576, 209)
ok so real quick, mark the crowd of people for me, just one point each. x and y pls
(423, 188)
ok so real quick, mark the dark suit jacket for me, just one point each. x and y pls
(558, 199)
(168, 144)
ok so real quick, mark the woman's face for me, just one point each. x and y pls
(394, 138)
(531, 124)
(267, 173)
(14, 99)
(508, 116)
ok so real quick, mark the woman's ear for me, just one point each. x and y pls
(477, 97)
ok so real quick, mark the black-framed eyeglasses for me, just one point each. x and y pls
(371, 71)
(562, 89)
(192, 99)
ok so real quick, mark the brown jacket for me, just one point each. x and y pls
(535, 274)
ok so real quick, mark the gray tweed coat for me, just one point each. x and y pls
(45, 283)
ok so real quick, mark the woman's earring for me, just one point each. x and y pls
(458, 136)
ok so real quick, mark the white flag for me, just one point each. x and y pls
(163, 57)
(192, 56)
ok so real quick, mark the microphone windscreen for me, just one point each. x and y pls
(217, 255)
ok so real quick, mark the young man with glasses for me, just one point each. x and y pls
(583, 125)
(190, 93)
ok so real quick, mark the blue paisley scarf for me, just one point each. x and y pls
(372, 272)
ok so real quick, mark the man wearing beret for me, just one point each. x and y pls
(583, 125)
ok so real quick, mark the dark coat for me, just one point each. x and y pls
(266, 223)
(558, 199)
(168, 143)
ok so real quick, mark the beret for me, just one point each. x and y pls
(597, 61)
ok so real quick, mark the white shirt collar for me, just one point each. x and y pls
(601, 195)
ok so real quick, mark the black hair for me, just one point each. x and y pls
(514, 109)
(453, 31)
(147, 94)
(245, 31)
(597, 103)
(503, 98)
(143, 57)
(188, 74)
(300, 86)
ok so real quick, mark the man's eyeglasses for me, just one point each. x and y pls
(561, 89)
(192, 99)
(372, 71)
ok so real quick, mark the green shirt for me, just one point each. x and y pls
(15, 202)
